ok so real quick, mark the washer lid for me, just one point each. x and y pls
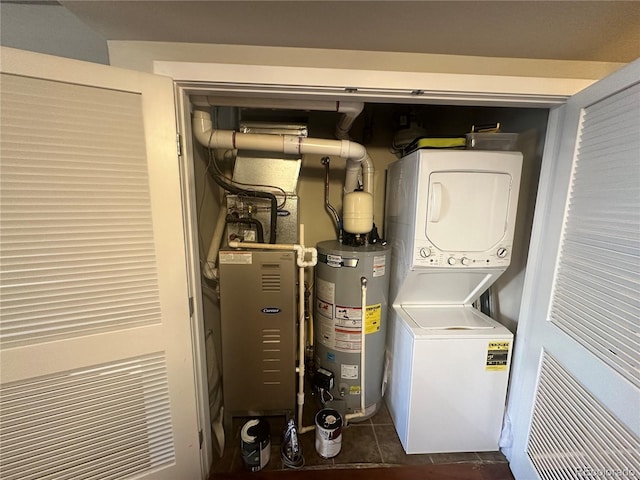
(448, 318)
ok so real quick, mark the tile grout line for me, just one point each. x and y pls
(375, 435)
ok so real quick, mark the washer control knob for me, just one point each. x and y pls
(425, 252)
(465, 261)
(451, 261)
(502, 252)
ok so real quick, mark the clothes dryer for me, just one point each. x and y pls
(450, 218)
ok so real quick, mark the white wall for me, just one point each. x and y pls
(51, 29)
(140, 55)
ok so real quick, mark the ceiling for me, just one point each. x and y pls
(562, 30)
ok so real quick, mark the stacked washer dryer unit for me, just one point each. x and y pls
(450, 219)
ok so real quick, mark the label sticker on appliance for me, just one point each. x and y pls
(236, 258)
(334, 260)
(497, 356)
(326, 290)
(352, 315)
(324, 308)
(349, 372)
(379, 266)
(373, 318)
(354, 390)
(347, 340)
(326, 332)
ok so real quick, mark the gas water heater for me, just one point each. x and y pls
(339, 318)
(351, 276)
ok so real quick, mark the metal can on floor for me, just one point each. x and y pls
(255, 443)
(328, 433)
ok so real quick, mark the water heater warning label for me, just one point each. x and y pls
(373, 318)
(379, 266)
(497, 356)
(339, 327)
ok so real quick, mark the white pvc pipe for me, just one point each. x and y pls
(350, 110)
(363, 338)
(209, 270)
(301, 348)
(356, 155)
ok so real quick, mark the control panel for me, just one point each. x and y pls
(426, 255)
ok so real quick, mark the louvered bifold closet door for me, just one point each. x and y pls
(596, 298)
(94, 325)
(78, 252)
(573, 436)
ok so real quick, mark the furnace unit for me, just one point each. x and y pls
(258, 322)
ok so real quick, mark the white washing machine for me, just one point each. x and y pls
(450, 219)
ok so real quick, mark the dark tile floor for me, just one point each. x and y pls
(373, 442)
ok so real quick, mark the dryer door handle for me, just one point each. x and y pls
(435, 202)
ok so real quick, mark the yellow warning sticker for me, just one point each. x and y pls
(497, 356)
(373, 318)
(354, 390)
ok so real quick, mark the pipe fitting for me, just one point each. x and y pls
(291, 145)
(351, 111)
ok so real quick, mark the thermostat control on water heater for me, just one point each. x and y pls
(429, 256)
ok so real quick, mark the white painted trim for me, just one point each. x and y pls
(414, 87)
(189, 215)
